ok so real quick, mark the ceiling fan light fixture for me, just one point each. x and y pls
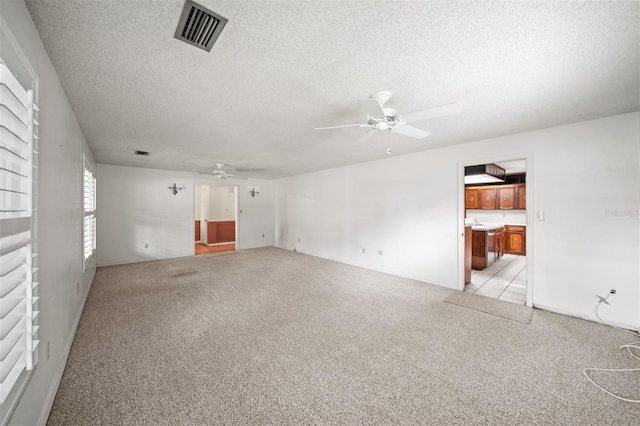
(382, 125)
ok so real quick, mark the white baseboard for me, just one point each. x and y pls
(592, 319)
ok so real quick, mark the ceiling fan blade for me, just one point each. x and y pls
(372, 107)
(411, 132)
(439, 111)
(235, 177)
(339, 127)
(364, 137)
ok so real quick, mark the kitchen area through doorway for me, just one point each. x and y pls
(495, 230)
(215, 218)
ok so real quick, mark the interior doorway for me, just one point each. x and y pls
(215, 212)
(495, 212)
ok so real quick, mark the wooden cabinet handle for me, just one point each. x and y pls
(488, 197)
(506, 197)
(471, 198)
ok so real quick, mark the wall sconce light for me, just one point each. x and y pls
(174, 188)
(254, 191)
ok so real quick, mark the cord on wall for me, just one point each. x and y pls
(635, 345)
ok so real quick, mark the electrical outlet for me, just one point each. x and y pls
(146, 245)
(363, 250)
(77, 287)
(299, 239)
(47, 349)
(262, 235)
(380, 252)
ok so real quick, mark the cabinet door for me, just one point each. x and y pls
(471, 198)
(488, 198)
(506, 197)
(515, 242)
(521, 194)
(499, 244)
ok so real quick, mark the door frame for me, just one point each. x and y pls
(528, 157)
(237, 206)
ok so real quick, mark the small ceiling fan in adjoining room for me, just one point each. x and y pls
(221, 174)
(381, 119)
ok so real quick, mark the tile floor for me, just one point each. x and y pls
(505, 279)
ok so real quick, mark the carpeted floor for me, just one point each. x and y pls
(268, 336)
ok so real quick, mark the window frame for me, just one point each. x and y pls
(89, 208)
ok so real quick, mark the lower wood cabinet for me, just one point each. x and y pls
(467, 254)
(515, 239)
(221, 232)
(500, 243)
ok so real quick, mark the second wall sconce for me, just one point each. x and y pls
(254, 191)
(174, 188)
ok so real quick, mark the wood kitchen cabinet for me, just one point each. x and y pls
(521, 194)
(487, 198)
(515, 239)
(467, 254)
(496, 197)
(506, 197)
(499, 243)
(471, 198)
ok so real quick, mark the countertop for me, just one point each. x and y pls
(485, 227)
(490, 226)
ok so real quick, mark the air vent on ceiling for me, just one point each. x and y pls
(142, 152)
(199, 26)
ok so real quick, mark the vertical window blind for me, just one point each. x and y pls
(89, 227)
(18, 224)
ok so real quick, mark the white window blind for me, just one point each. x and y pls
(18, 207)
(89, 226)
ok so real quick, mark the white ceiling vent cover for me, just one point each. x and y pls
(199, 26)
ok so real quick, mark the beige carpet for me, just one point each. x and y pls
(271, 337)
(502, 309)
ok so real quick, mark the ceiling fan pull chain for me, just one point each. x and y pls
(389, 142)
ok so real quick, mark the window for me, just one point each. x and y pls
(89, 223)
(18, 225)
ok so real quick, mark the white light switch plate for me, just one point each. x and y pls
(539, 216)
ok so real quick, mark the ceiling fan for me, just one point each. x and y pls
(221, 174)
(381, 119)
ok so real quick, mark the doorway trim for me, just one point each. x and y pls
(237, 206)
(528, 157)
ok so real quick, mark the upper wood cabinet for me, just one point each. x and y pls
(487, 198)
(521, 194)
(496, 197)
(506, 197)
(471, 198)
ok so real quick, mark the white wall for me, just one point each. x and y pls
(509, 217)
(136, 208)
(222, 203)
(408, 207)
(63, 285)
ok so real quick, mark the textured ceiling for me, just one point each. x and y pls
(281, 68)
